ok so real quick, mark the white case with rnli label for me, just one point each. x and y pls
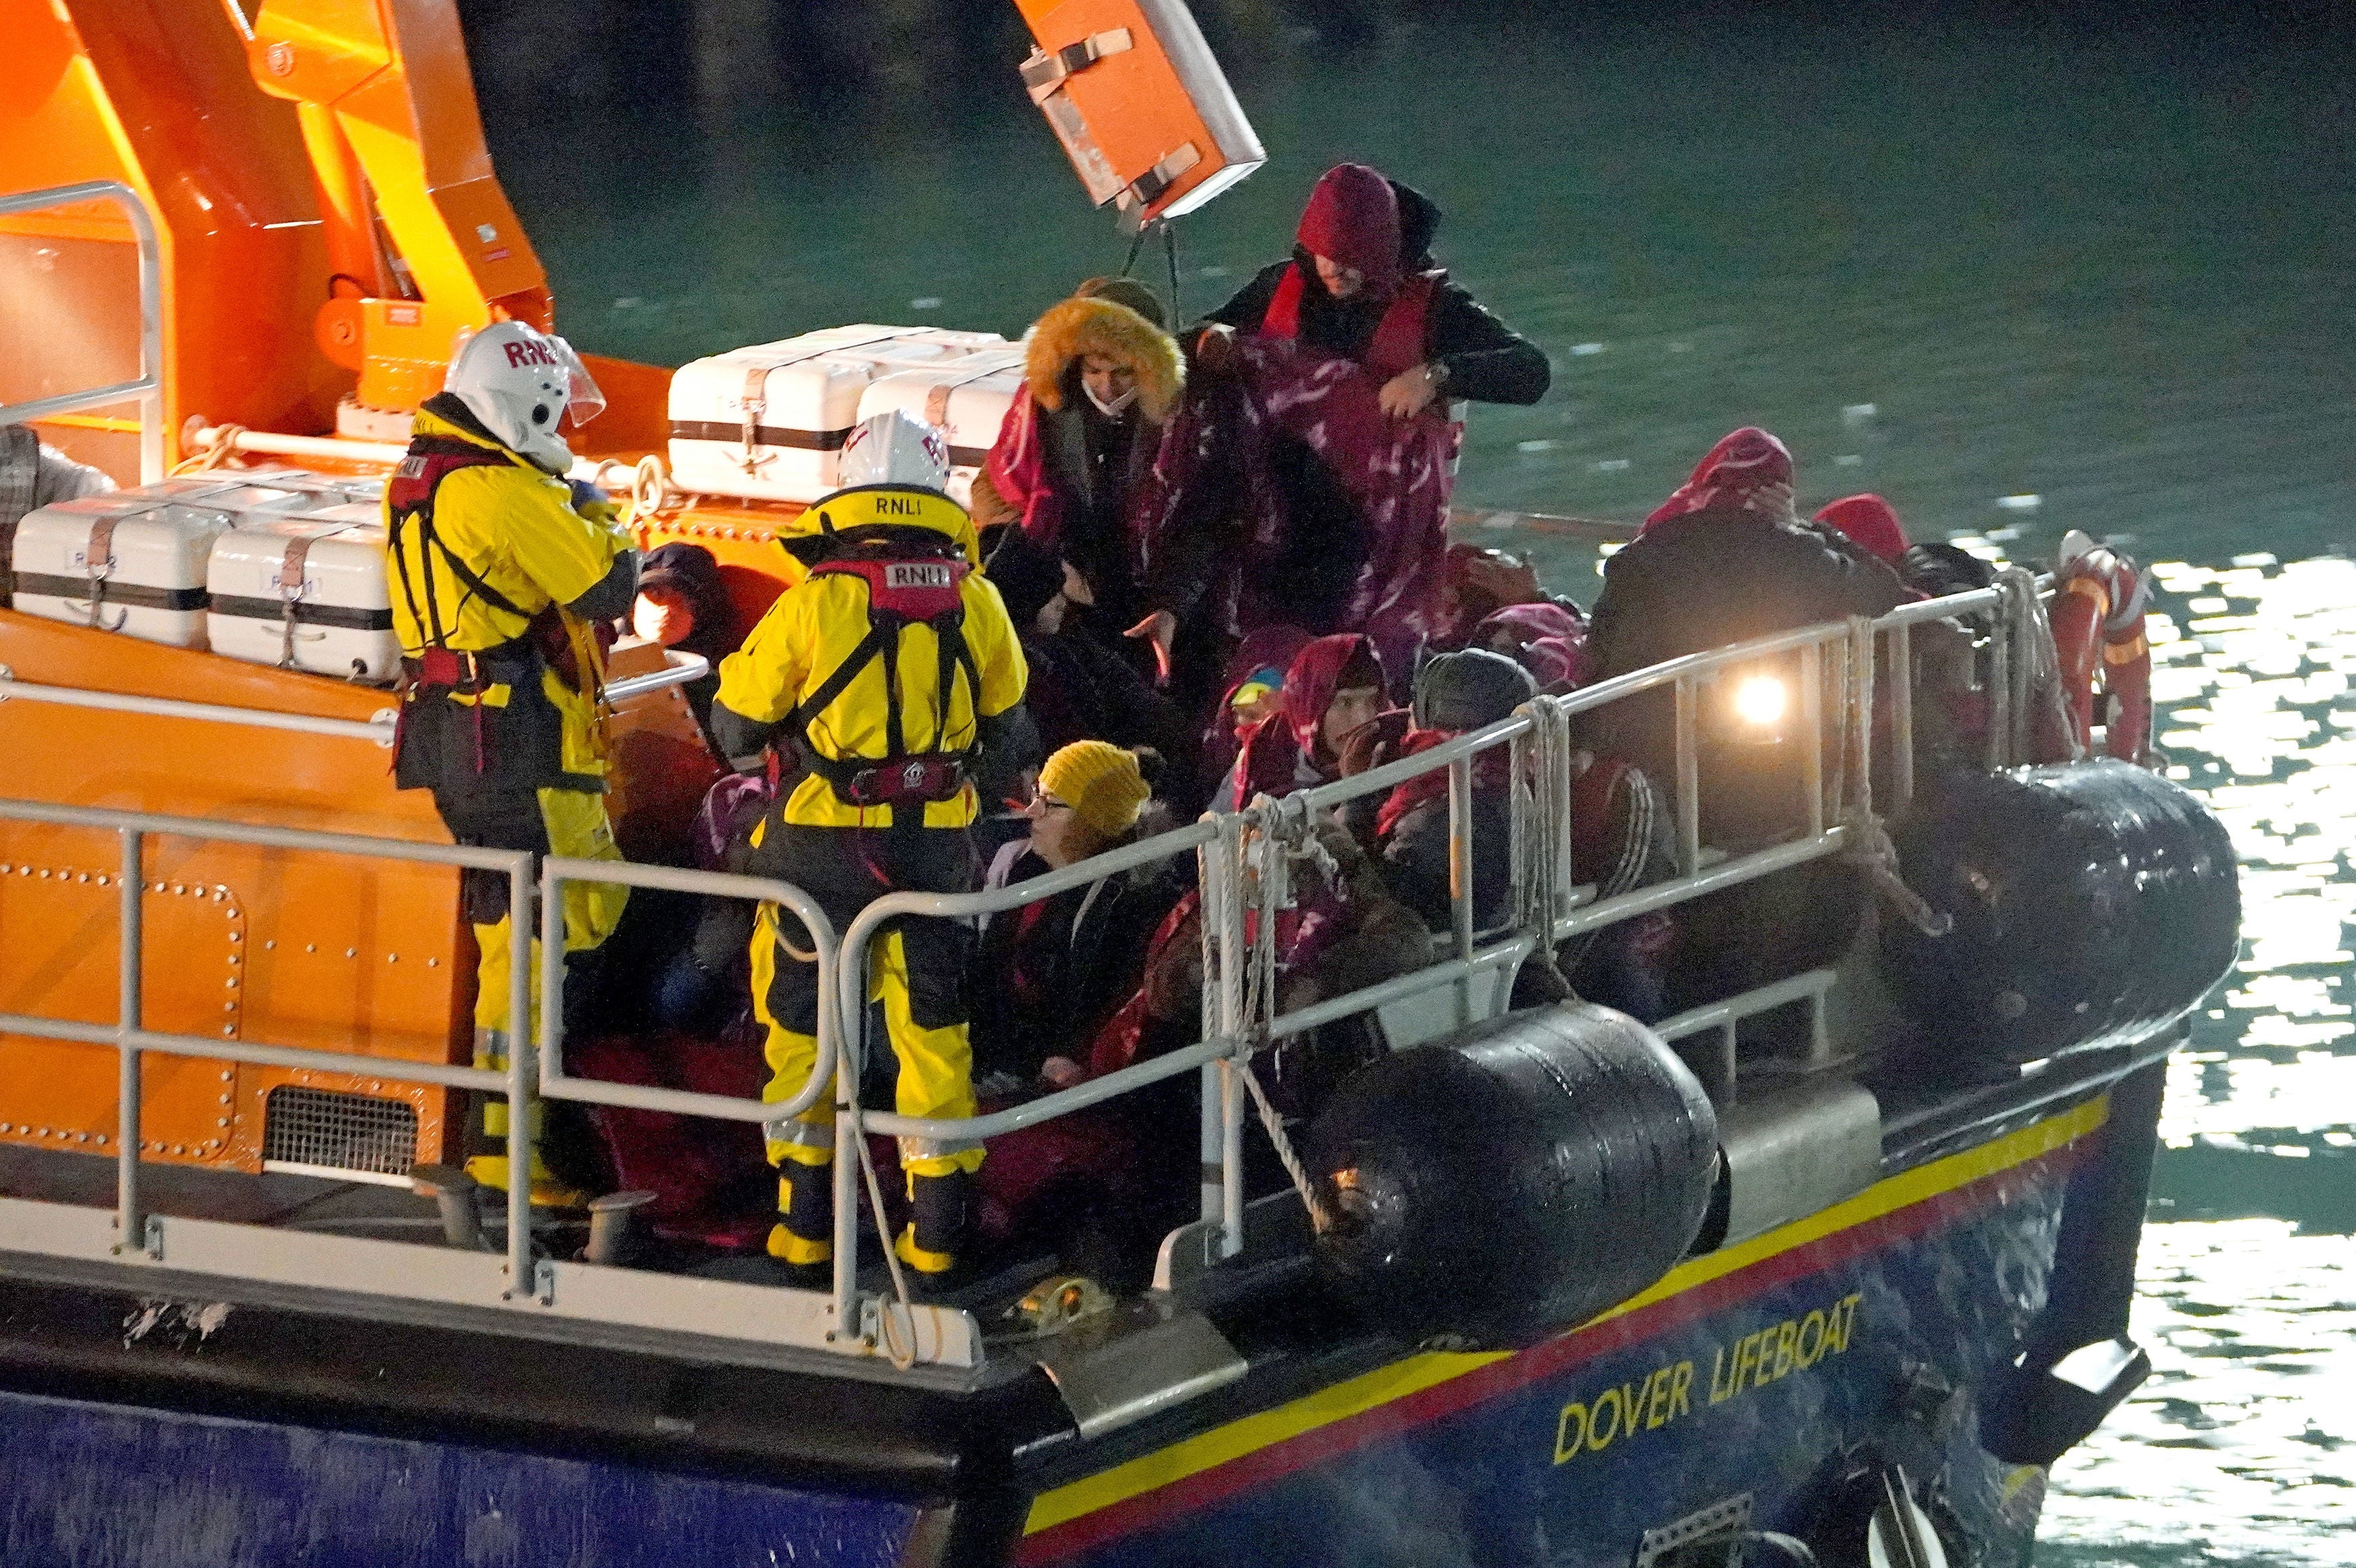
(306, 593)
(768, 422)
(127, 563)
(966, 399)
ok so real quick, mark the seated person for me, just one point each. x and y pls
(1722, 561)
(1333, 687)
(1870, 521)
(1479, 582)
(1455, 693)
(1952, 668)
(1251, 689)
(1073, 460)
(1082, 689)
(34, 475)
(1545, 638)
(1344, 931)
(683, 604)
(1048, 973)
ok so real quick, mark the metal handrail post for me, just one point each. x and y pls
(1217, 862)
(1999, 689)
(1521, 799)
(151, 343)
(1902, 717)
(1240, 966)
(849, 1068)
(2021, 605)
(522, 1281)
(1812, 723)
(1861, 695)
(1460, 877)
(1688, 777)
(130, 1224)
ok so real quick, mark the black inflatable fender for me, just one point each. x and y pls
(1523, 1174)
(2093, 904)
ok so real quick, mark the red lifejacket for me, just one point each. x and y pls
(909, 582)
(1402, 338)
(2098, 633)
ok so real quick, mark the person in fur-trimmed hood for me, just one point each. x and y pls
(1073, 458)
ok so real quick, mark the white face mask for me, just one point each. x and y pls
(1114, 409)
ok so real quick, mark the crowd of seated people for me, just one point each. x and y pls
(1221, 599)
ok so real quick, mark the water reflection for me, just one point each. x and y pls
(2242, 1427)
(2243, 1430)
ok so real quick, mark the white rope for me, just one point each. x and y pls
(901, 1361)
(1871, 850)
(1272, 1123)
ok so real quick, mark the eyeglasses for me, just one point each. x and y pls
(1041, 803)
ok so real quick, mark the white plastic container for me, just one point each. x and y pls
(768, 422)
(305, 592)
(125, 563)
(967, 399)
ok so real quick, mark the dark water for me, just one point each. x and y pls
(2017, 277)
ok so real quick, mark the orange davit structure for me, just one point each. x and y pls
(326, 219)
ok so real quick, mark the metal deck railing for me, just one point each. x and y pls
(1855, 692)
(147, 386)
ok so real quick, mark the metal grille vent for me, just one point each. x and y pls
(320, 1130)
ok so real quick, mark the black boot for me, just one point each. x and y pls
(803, 1238)
(933, 1243)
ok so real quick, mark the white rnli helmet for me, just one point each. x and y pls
(527, 387)
(893, 448)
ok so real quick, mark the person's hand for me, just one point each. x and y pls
(1504, 578)
(1216, 348)
(1162, 628)
(1774, 500)
(1061, 1073)
(1410, 392)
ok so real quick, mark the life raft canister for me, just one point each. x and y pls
(2099, 601)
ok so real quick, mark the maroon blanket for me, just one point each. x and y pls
(1398, 472)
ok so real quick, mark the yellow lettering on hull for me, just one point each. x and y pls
(1665, 1395)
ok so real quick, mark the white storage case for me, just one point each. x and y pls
(127, 562)
(768, 422)
(306, 593)
(967, 399)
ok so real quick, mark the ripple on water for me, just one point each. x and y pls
(2240, 1433)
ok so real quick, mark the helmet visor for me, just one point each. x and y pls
(587, 400)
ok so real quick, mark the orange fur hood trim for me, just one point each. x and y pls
(1079, 327)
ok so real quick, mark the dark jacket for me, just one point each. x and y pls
(1487, 361)
(1415, 858)
(1702, 581)
(1084, 686)
(1047, 974)
(1099, 462)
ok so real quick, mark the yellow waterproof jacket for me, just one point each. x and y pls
(516, 528)
(818, 624)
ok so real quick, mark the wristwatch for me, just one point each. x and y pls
(1438, 370)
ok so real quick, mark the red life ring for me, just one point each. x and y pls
(2099, 598)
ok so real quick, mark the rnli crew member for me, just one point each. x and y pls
(893, 669)
(1100, 377)
(499, 571)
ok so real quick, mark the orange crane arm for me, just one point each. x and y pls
(396, 139)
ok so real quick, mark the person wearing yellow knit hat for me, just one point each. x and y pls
(1089, 795)
(1049, 973)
